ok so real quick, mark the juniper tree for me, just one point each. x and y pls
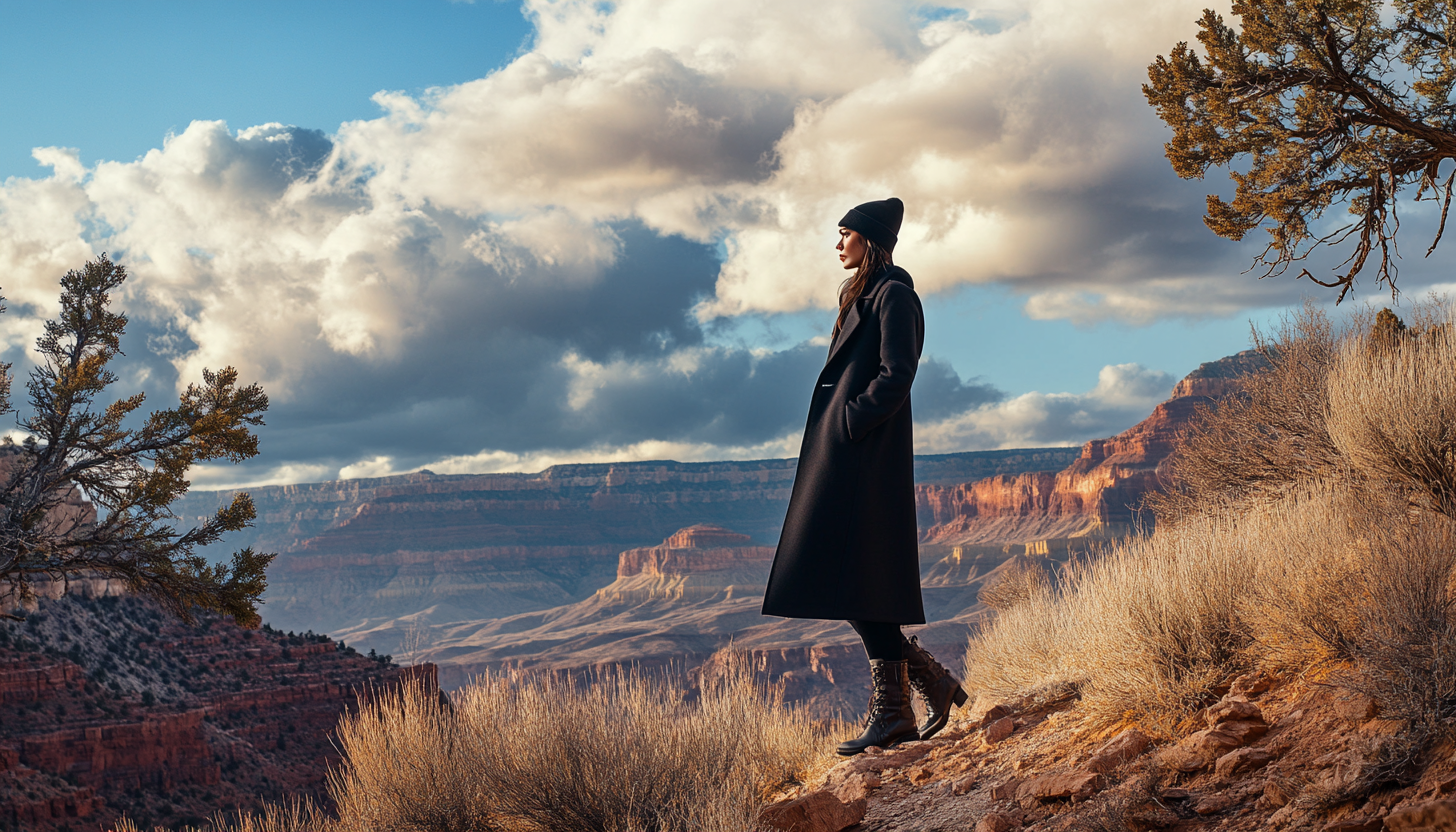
(1326, 102)
(130, 474)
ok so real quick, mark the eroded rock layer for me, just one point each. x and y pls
(113, 707)
(1098, 495)
(358, 552)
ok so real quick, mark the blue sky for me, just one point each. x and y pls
(490, 236)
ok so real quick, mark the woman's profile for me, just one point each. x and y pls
(849, 545)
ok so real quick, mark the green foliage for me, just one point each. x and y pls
(130, 475)
(1327, 102)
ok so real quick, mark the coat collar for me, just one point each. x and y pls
(854, 317)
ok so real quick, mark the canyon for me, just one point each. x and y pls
(357, 553)
(688, 600)
(114, 707)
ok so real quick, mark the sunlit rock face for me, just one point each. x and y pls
(1098, 495)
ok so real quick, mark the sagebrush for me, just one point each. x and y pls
(1309, 526)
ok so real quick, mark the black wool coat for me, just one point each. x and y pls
(848, 549)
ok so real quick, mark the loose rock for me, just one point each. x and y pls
(1120, 749)
(1230, 710)
(1242, 761)
(1073, 784)
(1422, 817)
(857, 786)
(1006, 790)
(996, 822)
(817, 811)
(1151, 815)
(1214, 803)
(999, 730)
(996, 712)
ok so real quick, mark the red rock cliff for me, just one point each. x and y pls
(1099, 492)
(111, 706)
(701, 548)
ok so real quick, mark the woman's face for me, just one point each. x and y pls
(851, 248)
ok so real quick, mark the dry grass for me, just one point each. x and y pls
(623, 753)
(1342, 562)
(627, 751)
(1392, 411)
(1271, 437)
(1021, 578)
(298, 816)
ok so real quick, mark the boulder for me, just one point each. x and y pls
(1117, 751)
(999, 730)
(1241, 761)
(1230, 710)
(1069, 784)
(818, 811)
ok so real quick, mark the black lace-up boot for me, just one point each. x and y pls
(890, 720)
(936, 686)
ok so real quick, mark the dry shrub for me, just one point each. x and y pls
(1024, 648)
(407, 767)
(1021, 578)
(624, 752)
(1392, 411)
(1334, 575)
(1157, 624)
(1269, 437)
(1145, 631)
(295, 816)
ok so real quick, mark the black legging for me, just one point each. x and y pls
(881, 641)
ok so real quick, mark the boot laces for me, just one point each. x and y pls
(880, 680)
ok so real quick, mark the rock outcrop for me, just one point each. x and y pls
(111, 706)
(1276, 753)
(1097, 496)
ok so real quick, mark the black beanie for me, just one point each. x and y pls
(878, 222)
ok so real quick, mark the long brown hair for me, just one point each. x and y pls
(875, 259)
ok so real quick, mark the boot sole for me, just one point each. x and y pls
(911, 737)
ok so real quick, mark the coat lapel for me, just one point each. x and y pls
(850, 322)
(854, 317)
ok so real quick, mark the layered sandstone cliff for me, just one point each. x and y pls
(1098, 495)
(111, 706)
(360, 553)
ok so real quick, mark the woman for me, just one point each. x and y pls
(848, 549)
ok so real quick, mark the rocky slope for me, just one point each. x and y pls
(111, 706)
(1272, 754)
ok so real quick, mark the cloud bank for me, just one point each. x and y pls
(525, 268)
